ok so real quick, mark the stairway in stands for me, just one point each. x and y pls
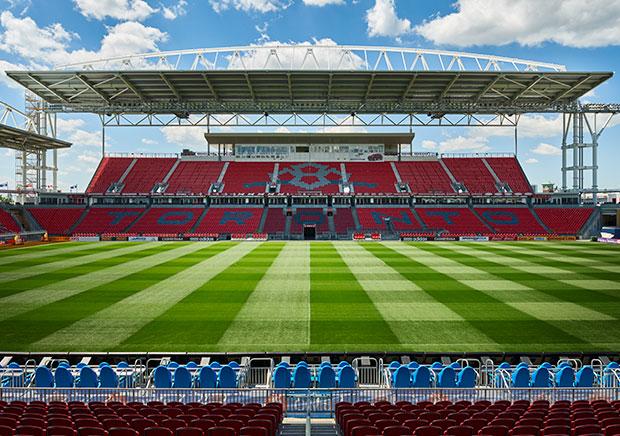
(318, 427)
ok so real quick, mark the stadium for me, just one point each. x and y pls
(310, 271)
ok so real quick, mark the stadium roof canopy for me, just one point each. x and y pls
(309, 138)
(19, 139)
(304, 91)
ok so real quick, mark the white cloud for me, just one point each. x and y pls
(4, 79)
(89, 158)
(531, 161)
(118, 9)
(147, 141)
(72, 130)
(173, 12)
(545, 149)
(526, 22)
(427, 144)
(262, 6)
(474, 144)
(186, 137)
(321, 3)
(22, 36)
(383, 21)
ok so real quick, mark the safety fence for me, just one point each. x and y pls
(305, 402)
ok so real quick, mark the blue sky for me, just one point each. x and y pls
(43, 33)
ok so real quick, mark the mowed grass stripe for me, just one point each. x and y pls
(343, 317)
(17, 254)
(30, 267)
(511, 328)
(97, 262)
(116, 322)
(115, 269)
(277, 313)
(19, 332)
(199, 320)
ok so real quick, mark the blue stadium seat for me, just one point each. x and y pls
(436, 366)
(80, 365)
(565, 377)
(215, 364)
(301, 377)
(16, 379)
(327, 377)
(413, 365)
(162, 378)
(88, 378)
(447, 378)
(394, 365)
(102, 364)
(303, 363)
(521, 377)
(207, 379)
(122, 364)
(608, 373)
(346, 377)
(64, 364)
(43, 377)
(192, 365)
(455, 365)
(182, 378)
(281, 378)
(63, 378)
(234, 365)
(172, 365)
(541, 378)
(227, 378)
(466, 378)
(401, 378)
(546, 365)
(107, 377)
(343, 363)
(421, 377)
(584, 377)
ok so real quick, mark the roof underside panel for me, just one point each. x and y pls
(303, 91)
(18, 139)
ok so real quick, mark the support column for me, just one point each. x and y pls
(564, 151)
(575, 147)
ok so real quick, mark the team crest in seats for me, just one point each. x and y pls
(309, 176)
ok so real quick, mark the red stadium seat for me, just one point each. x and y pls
(428, 431)
(158, 431)
(189, 431)
(460, 430)
(56, 430)
(122, 431)
(221, 431)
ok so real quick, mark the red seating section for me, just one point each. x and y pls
(146, 173)
(250, 177)
(508, 170)
(343, 220)
(564, 221)
(275, 221)
(401, 218)
(107, 220)
(511, 220)
(309, 216)
(304, 177)
(378, 174)
(473, 173)
(483, 418)
(155, 418)
(230, 220)
(164, 220)
(109, 171)
(425, 177)
(8, 223)
(193, 177)
(56, 220)
(454, 220)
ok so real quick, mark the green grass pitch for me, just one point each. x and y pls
(311, 296)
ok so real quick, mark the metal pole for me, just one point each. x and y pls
(102, 140)
(580, 147)
(595, 163)
(575, 151)
(564, 151)
(55, 158)
(516, 142)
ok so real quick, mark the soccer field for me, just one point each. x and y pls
(310, 296)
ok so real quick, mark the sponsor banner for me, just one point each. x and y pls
(114, 238)
(561, 238)
(85, 238)
(525, 238)
(142, 238)
(540, 238)
(171, 239)
(445, 238)
(59, 239)
(203, 239)
(474, 238)
(609, 240)
(418, 238)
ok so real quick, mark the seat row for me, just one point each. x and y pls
(192, 375)
(303, 377)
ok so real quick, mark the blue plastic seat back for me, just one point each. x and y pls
(64, 364)
(284, 364)
(303, 363)
(43, 377)
(162, 378)
(191, 365)
(394, 365)
(466, 378)
(172, 365)
(521, 377)
(80, 365)
(88, 378)
(447, 378)
(102, 364)
(584, 377)
(301, 377)
(227, 378)
(436, 366)
(540, 378)
(421, 377)
(546, 365)
(108, 378)
(565, 377)
(327, 377)
(346, 377)
(182, 378)
(207, 379)
(215, 364)
(63, 378)
(455, 365)
(413, 365)
(401, 378)
(325, 364)
(343, 363)
(234, 365)
(122, 364)
(281, 377)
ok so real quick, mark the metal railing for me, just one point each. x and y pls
(306, 402)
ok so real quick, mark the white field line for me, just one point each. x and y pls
(280, 300)
(36, 254)
(31, 299)
(114, 324)
(23, 273)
